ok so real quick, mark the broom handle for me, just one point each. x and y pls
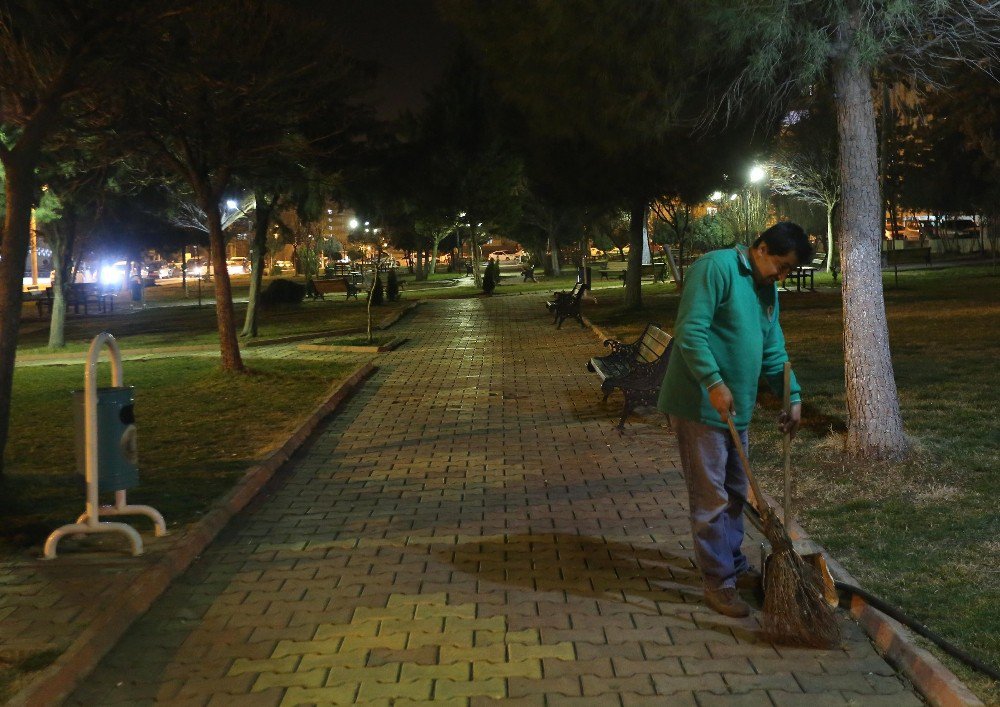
(786, 443)
(746, 462)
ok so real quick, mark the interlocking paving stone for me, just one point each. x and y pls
(468, 529)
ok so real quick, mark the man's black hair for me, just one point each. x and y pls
(784, 237)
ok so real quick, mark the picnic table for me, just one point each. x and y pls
(803, 272)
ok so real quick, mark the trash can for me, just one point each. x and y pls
(117, 452)
(137, 290)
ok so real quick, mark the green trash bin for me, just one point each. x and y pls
(117, 454)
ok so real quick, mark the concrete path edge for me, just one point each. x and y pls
(932, 679)
(56, 682)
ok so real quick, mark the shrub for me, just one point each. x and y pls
(491, 276)
(283, 292)
(378, 291)
(392, 288)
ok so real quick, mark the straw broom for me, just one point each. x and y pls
(795, 612)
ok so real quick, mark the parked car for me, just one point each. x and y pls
(957, 228)
(237, 266)
(506, 256)
(197, 268)
(162, 269)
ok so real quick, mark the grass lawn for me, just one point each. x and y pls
(175, 320)
(199, 430)
(924, 534)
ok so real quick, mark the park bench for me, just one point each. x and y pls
(564, 305)
(560, 295)
(77, 294)
(905, 256)
(615, 267)
(319, 287)
(636, 369)
(655, 271)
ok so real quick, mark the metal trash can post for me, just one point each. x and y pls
(119, 439)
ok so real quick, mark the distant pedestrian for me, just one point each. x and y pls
(727, 333)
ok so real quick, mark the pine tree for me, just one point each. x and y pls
(392, 288)
(378, 292)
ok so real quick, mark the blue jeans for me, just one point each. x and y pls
(717, 490)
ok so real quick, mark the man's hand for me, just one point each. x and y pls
(721, 398)
(788, 422)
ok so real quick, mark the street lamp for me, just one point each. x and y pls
(757, 174)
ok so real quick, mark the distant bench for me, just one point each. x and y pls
(656, 271)
(636, 368)
(617, 267)
(905, 256)
(318, 288)
(79, 293)
(564, 305)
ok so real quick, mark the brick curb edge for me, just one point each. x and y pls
(56, 682)
(391, 319)
(932, 679)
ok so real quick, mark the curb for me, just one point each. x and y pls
(932, 679)
(935, 682)
(333, 348)
(56, 682)
(391, 319)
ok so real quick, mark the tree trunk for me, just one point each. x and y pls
(678, 275)
(875, 426)
(539, 259)
(829, 236)
(262, 218)
(13, 249)
(636, 237)
(229, 347)
(371, 291)
(62, 249)
(554, 262)
(434, 257)
(477, 275)
(421, 273)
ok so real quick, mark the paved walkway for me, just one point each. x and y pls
(470, 527)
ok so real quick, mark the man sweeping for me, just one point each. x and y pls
(727, 333)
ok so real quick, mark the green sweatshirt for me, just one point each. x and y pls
(727, 330)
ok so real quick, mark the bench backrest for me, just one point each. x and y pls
(617, 265)
(653, 344)
(904, 255)
(333, 285)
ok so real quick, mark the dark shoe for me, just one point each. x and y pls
(727, 602)
(749, 581)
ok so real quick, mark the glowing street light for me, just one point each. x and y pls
(353, 223)
(231, 204)
(757, 174)
(716, 196)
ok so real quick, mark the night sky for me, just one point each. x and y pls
(405, 37)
